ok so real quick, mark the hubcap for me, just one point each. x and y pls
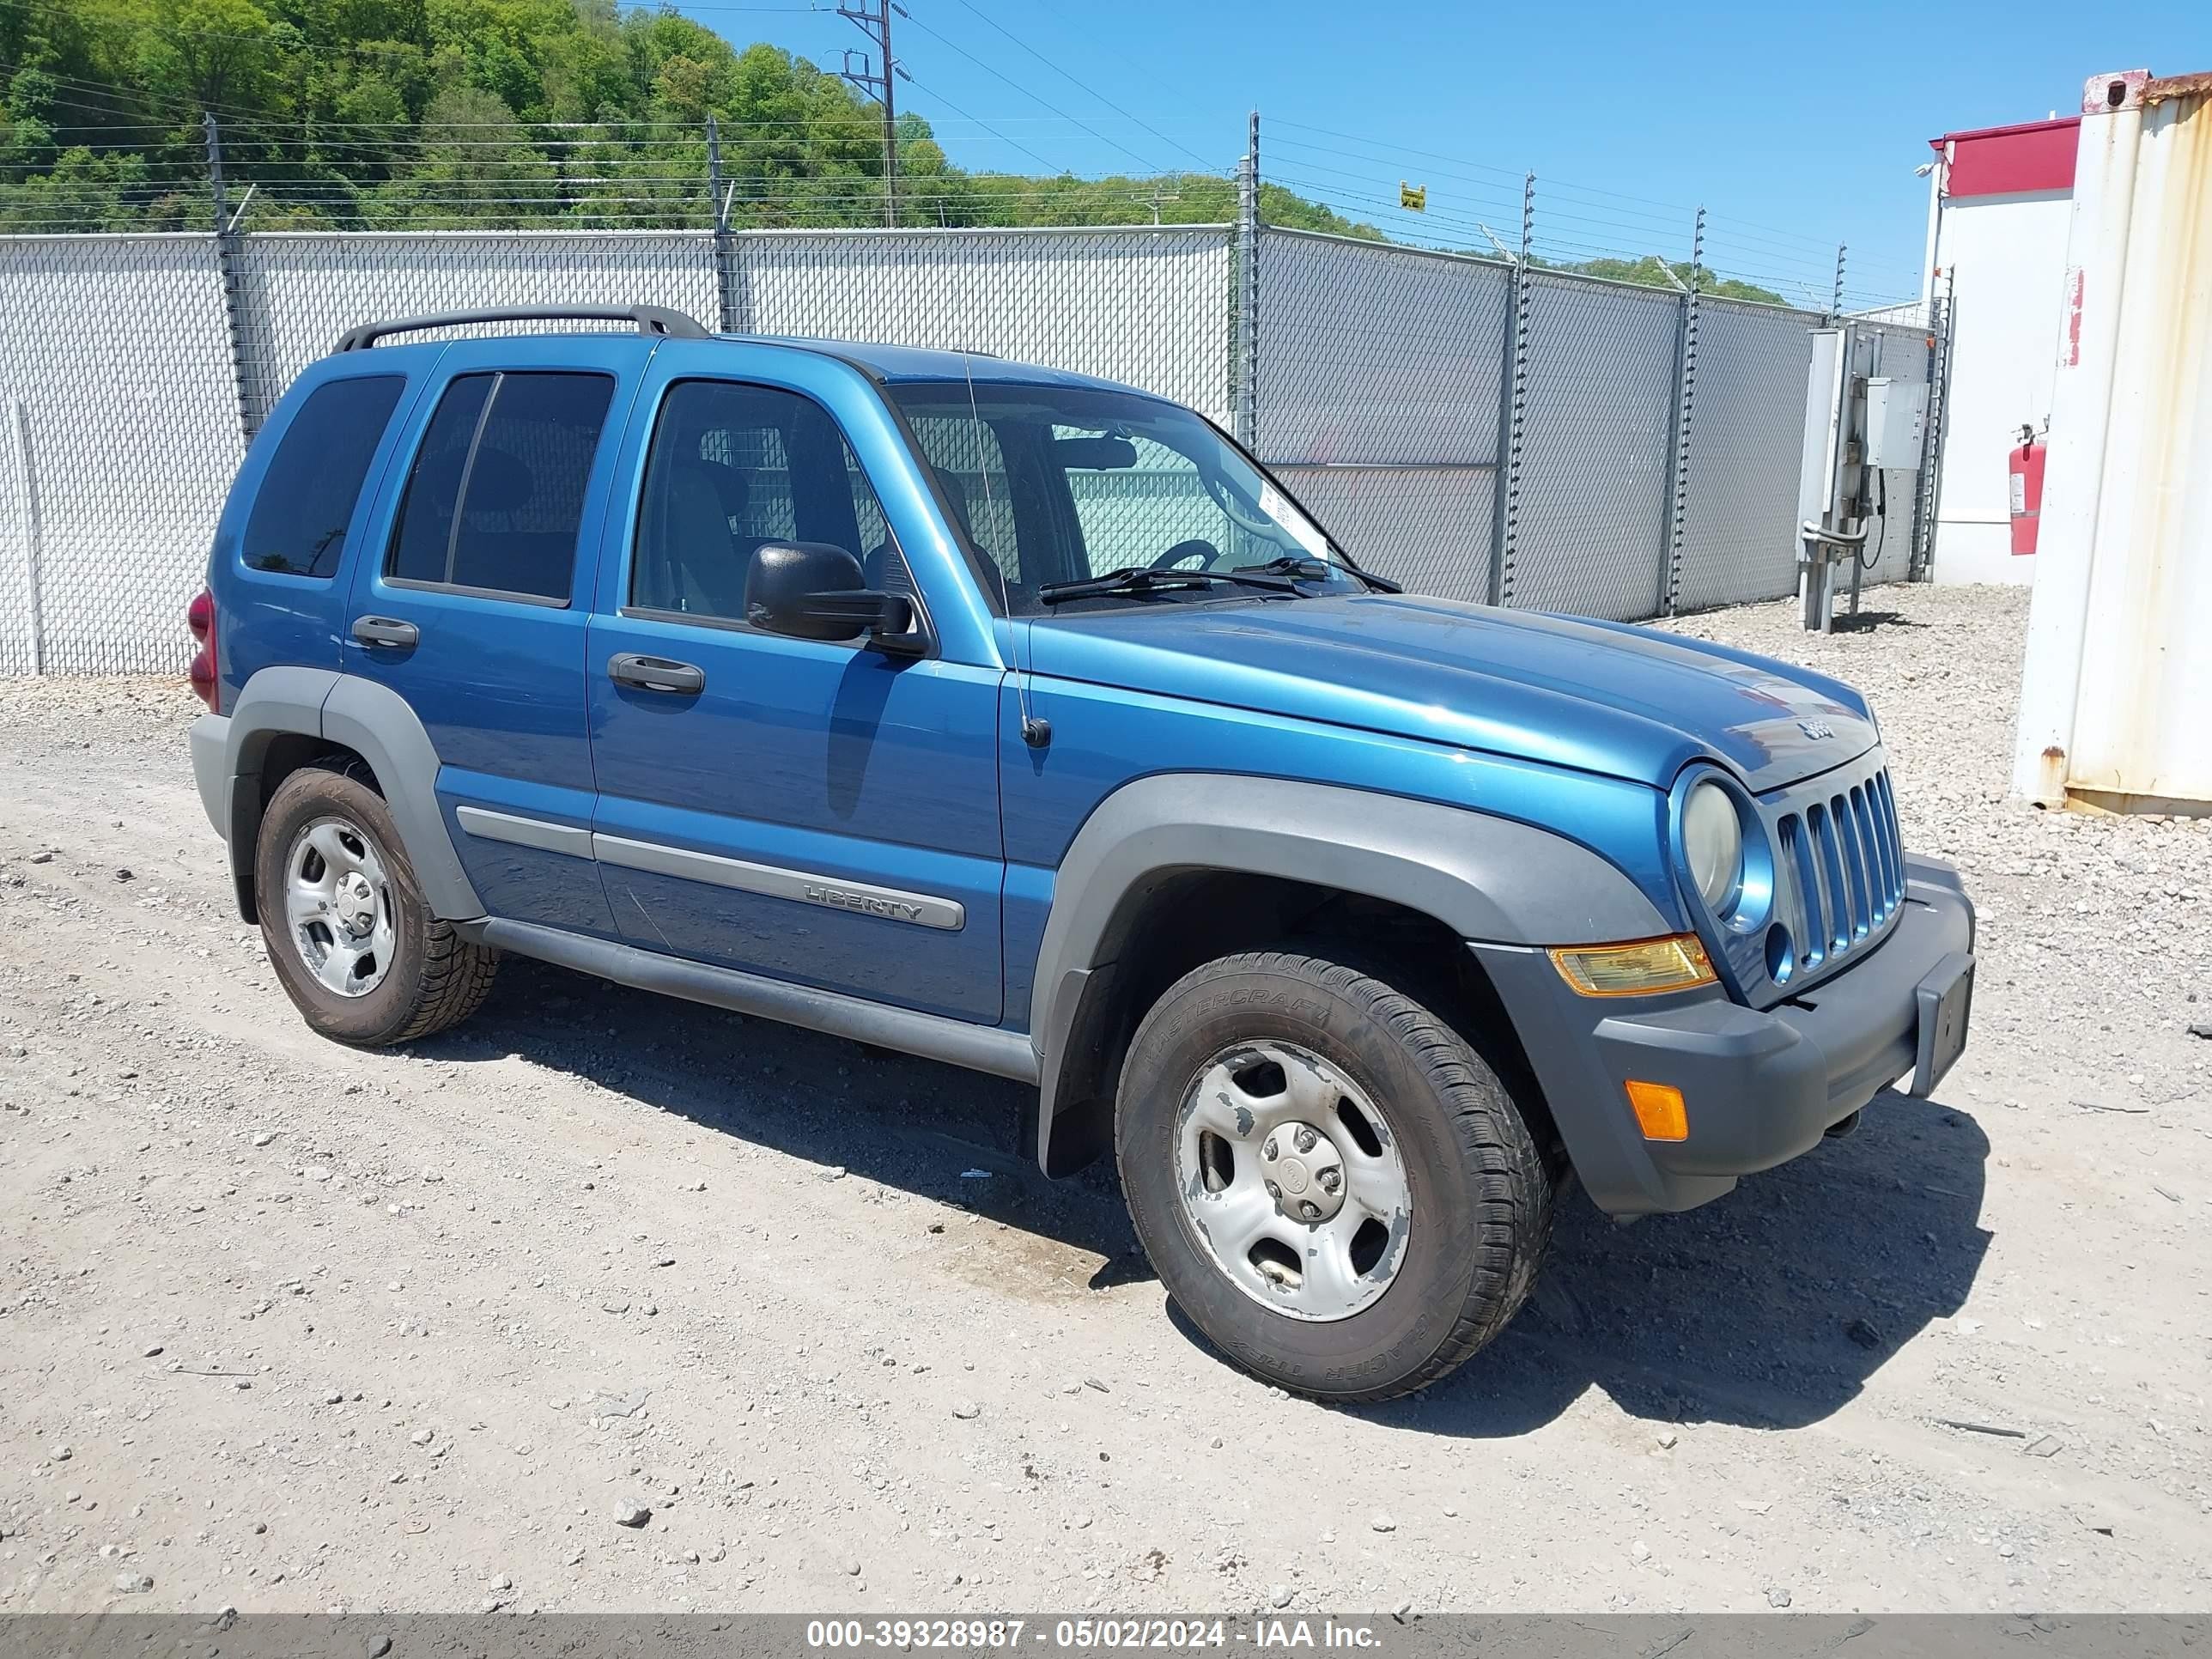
(339, 905)
(1303, 1172)
(1291, 1180)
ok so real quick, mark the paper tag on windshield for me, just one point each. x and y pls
(1273, 503)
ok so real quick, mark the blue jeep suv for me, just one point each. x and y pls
(1023, 720)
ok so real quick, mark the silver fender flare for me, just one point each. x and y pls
(1485, 877)
(375, 722)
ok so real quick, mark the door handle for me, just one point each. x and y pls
(656, 674)
(387, 631)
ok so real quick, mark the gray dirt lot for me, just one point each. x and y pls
(286, 1327)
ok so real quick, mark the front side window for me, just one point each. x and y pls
(733, 467)
(307, 498)
(495, 497)
(1056, 485)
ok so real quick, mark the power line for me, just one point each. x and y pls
(986, 125)
(1037, 97)
(1204, 165)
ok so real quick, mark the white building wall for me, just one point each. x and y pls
(2005, 259)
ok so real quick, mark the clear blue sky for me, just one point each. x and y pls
(1798, 127)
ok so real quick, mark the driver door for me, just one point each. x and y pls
(819, 811)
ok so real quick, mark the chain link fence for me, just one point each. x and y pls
(1747, 433)
(1378, 398)
(297, 293)
(122, 428)
(1475, 430)
(1145, 307)
(1596, 477)
(1547, 440)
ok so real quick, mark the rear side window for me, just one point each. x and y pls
(298, 525)
(496, 496)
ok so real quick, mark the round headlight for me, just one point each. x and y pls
(1712, 843)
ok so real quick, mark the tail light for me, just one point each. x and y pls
(199, 616)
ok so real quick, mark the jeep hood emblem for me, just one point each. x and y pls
(1816, 729)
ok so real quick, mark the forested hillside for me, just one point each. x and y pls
(429, 115)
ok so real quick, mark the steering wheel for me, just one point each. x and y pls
(1182, 553)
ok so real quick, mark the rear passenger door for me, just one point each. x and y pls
(473, 606)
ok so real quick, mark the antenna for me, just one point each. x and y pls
(1035, 733)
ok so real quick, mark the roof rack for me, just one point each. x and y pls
(655, 322)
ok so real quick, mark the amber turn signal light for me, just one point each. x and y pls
(1659, 1110)
(1643, 968)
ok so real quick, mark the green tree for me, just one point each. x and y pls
(430, 115)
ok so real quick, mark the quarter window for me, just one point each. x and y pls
(733, 467)
(307, 498)
(496, 496)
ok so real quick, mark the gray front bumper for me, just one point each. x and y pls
(211, 744)
(1760, 1087)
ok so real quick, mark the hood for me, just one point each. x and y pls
(1602, 697)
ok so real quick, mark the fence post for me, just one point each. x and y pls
(1930, 494)
(1244, 370)
(1836, 300)
(717, 202)
(1512, 410)
(26, 496)
(228, 265)
(1685, 387)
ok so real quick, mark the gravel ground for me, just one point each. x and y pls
(601, 1302)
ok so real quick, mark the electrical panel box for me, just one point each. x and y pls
(1896, 417)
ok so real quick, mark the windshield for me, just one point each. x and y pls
(1055, 484)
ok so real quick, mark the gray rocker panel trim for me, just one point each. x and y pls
(774, 881)
(770, 880)
(545, 838)
(1485, 877)
(375, 722)
(933, 1037)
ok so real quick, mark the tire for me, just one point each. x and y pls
(1471, 1204)
(412, 974)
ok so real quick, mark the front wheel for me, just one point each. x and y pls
(1331, 1181)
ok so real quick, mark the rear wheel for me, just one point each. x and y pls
(351, 936)
(1331, 1180)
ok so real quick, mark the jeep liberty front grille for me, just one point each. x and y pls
(1843, 861)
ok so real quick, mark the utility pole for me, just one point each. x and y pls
(874, 19)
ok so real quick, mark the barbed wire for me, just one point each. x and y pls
(787, 170)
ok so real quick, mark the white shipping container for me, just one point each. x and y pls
(2115, 698)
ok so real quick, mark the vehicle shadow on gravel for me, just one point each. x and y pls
(933, 1130)
(1770, 1308)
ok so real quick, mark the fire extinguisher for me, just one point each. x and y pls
(2024, 464)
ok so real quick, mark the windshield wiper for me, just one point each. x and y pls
(1137, 579)
(1306, 567)
(1312, 568)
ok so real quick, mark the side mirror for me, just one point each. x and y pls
(813, 590)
